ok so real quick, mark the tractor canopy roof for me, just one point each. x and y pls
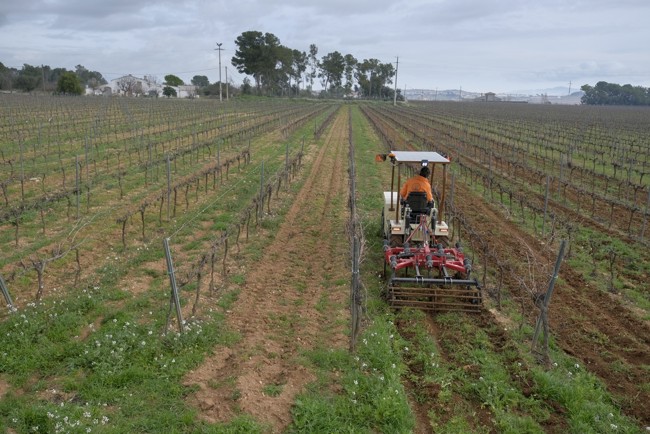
(418, 157)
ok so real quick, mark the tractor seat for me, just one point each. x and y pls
(417, 201)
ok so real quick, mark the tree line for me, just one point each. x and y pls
(280, 70)
(614, 94)
(47, 79)
(276, 70)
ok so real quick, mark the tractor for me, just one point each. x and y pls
(420, 267)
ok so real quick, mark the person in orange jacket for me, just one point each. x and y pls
(418, 183)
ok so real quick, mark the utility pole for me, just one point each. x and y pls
(226, 68)
(395, 91)
(219, 44)
(569, 87)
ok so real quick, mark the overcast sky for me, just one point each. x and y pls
(479, 45)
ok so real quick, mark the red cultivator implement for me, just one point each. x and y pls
(423, 272)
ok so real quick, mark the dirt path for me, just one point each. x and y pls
(294, 299)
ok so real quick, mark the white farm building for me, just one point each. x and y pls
(129, 85)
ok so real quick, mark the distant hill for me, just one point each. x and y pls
(556, 95)
(553, 91)
(439, 95)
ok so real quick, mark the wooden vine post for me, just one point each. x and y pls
(169, 188)
(77, 181)
(261, 201)
(548, 180)
(5, 293)
(355, 295)
(174, 301)
(286, 167)
(542, 303)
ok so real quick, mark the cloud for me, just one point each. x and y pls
(478, 44)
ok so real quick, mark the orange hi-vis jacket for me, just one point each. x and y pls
(416, 183)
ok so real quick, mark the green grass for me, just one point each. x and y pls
(591, 257)
(589, 406)
(124, 376)
(465, 373)
(272, 389)
(370, 395)
(95, 358)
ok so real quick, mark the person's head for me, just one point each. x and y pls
(425, 172)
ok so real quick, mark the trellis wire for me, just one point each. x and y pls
(222, 239)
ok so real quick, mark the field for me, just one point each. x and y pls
(244, 324)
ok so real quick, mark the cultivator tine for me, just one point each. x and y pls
(444, 281)
(444, 292)
(436, 298)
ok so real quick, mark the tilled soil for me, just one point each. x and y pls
(278, 317)
(593, 326)
(279, 312)
(590, 325)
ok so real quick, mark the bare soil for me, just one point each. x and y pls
(606, 335)
(593, 326)
(294, 297)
